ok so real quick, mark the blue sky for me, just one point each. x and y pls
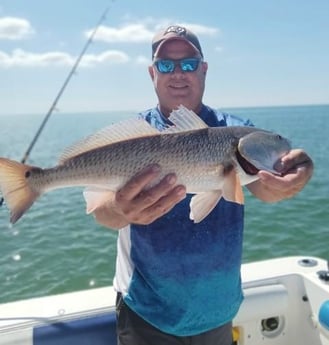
(260, 52)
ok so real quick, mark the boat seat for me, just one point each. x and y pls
(95, 330)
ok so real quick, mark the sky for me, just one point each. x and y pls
(259, 52)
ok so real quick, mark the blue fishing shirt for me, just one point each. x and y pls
(182, 277)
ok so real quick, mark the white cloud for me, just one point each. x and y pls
(143, 32)
(133, 32)
(142, 60)
(201, 29)
(130, 33)
(109, 56)
(21, 58)
(219, 49)
(12, 28)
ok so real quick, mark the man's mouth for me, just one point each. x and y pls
(178, 87)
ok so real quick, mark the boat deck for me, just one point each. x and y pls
(286, 302)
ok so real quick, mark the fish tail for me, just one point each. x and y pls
(15, 187)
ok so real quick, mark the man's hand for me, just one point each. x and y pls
(136, 203)
(296, 169)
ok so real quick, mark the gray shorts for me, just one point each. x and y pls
(133, 330)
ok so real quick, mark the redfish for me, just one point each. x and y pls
(212, 162)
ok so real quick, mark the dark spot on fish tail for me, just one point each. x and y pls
(245, 165)
(28, 174)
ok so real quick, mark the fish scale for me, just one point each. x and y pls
(191, 157)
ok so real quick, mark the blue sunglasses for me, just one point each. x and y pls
(186, 65)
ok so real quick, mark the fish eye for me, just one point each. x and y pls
(279, 137)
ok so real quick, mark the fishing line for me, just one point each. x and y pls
(74, 68)
(61, 90)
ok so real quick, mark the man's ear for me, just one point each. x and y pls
(151, 72)
(205, 67)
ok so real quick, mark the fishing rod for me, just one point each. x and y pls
(62, 89)
(67, 80)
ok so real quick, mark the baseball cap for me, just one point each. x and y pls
(175, 32)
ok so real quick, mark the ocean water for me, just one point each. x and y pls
(57, 248)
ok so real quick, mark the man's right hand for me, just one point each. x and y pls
(138, 204)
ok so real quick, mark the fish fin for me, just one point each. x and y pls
(203, 203)
(96, 197)
(184, 120)
(17, 193)
(232, 189)
(117, 132)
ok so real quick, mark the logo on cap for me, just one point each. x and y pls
(179, 30)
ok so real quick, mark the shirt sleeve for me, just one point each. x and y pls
(233, 120)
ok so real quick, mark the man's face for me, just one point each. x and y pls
(178, 87)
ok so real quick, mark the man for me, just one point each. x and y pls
(179, 282)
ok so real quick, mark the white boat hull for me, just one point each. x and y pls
(283, 300)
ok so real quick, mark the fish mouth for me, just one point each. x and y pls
(248, 168)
